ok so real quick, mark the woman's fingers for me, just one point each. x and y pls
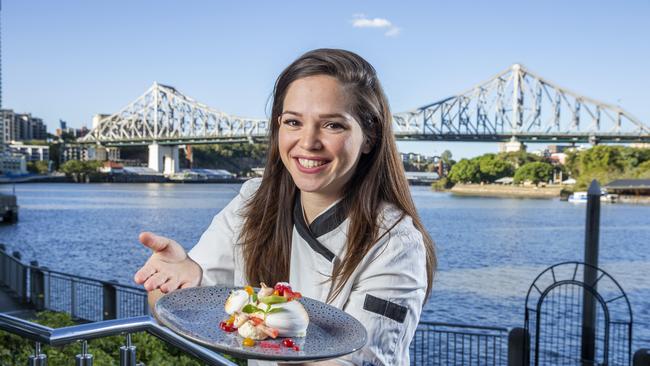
(155, 281)
(143, 274)
(171, 285)
(154, 242)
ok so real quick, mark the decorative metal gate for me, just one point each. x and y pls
(554, 317)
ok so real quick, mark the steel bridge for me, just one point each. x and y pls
(515, 104)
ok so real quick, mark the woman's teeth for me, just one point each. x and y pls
(310, 163)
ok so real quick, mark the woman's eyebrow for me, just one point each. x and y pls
(333, 115)
(327, 115)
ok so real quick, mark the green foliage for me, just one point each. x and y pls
(441, 184)
(518, 158)
(150, 350)
(238, 158)
(493, 167)
(465, 171)
(80, 168)
(607, 163)
(38, 167)
(534, 172)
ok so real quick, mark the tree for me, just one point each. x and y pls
(38, 167)
(465, 171)
(534, 172)
(80, 169)
(493, 168)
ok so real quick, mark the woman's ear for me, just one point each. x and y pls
(367, 146)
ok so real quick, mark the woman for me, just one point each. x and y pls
(332, 215)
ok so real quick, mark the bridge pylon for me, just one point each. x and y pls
(163, 158)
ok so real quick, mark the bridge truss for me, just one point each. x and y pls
(515, 103)
(518, 103)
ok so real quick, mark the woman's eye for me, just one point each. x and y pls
(291, 122)
(334, 126)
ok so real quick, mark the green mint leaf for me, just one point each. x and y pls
(250, 308)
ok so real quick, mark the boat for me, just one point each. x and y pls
(578, 197)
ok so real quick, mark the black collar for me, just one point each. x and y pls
(324, 223)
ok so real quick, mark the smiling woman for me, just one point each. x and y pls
(333, 214)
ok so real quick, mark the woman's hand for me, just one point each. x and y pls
(168, 268)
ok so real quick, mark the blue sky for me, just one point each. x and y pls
(72, 59)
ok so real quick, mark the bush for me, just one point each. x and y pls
(465, 171)
(534, 172)
(441, 184)
(15, 350)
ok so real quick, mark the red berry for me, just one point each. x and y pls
(296, 348)
(287, 342)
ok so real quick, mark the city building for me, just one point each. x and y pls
(22, 126)
(31, 152)
(513, 145)
(12, 164)
(84, 152)
(73, 152)
(70, 132)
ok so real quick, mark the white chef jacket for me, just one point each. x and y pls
(385, 293)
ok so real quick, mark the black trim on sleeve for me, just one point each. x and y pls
(306, 234)
(385, 308)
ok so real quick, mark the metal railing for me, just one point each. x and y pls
(82, 297)
(83, 333)
(121, 309)
(457, 344)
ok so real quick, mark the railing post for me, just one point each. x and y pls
(518, 347)
(37, 286)
(592, 230)
(20, 277)
(38, 358)
(3, 264)
(73, 298)
(110, 301)
(84, 358)
(127, 353)
(641, 357)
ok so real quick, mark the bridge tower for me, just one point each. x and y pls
(163, 158)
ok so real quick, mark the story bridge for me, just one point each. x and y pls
(514, 105)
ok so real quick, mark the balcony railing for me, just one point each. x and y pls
(117, 309)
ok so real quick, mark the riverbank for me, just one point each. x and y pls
(497, 190)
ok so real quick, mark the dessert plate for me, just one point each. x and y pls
(195, 313)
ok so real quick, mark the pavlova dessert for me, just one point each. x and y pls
(271, 312)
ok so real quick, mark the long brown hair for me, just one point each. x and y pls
(379, 177)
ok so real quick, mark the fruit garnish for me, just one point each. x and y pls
(247, 342)
(227, 327)
(296, 348)
(273, 299)
(264, 344)
(287, 342)
(249, 290)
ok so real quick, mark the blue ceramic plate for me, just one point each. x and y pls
(195, 313)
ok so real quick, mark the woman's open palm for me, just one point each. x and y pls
(168, 268)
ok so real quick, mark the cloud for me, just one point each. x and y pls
(361, 21)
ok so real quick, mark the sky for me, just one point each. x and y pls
(72, 59)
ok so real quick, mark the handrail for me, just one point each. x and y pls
(66, 335)
(464, 326)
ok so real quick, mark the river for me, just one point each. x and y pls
(490, 250)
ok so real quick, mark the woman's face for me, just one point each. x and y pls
(319, 141)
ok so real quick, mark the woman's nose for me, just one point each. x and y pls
(310, 139)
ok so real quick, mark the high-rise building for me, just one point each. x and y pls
(2, 127)
(22, 126)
